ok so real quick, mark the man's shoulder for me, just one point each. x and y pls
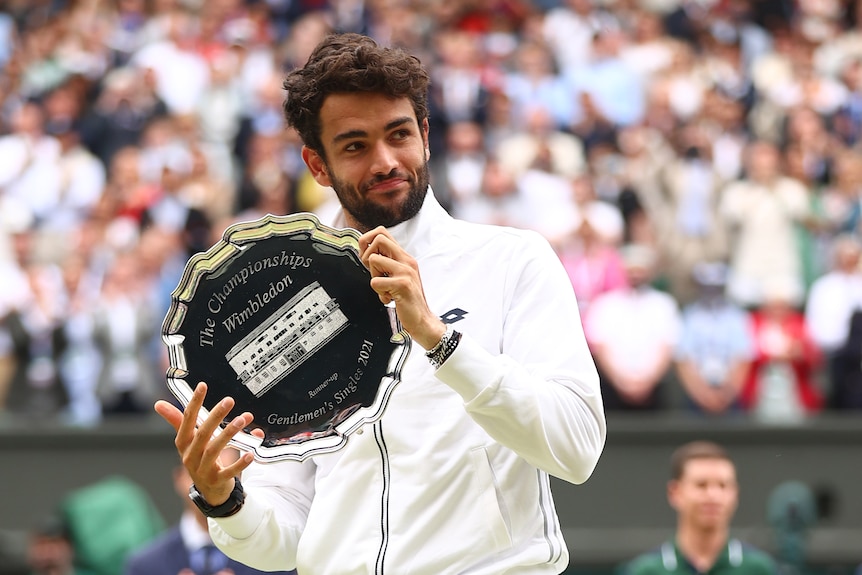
(757, 561)
(486, 229)
(647, 563)
(496, 235)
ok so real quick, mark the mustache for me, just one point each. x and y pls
(394, 174)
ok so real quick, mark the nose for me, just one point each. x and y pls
(383, 159)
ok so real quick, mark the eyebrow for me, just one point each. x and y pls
(362, 133)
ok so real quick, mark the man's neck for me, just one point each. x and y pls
(701, 548)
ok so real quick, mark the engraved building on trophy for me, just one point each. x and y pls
(287, 338)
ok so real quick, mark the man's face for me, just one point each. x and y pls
(376, 158)
(706, 495)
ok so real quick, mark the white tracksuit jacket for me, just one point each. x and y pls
(454, 477)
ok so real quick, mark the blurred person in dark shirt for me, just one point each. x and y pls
(50, 550)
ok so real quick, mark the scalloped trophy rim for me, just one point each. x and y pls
(234, 240)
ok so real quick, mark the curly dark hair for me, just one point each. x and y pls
(345, 63)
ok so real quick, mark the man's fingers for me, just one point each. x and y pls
(169, 413)
(216, 416)
(220, 442)
(379, 241)
(381, 265)
(236, 468)
(186, 430)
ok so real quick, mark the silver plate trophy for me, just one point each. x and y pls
(280, 316)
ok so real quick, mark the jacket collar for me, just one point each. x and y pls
(416, 234)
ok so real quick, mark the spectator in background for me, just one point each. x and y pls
(632, 332)
(125, 325)
(715, 346)
(568, 29)
(50, 550)
(79, 360)
(30, 323)
(835, 295)
(541, 144)
(807, 130)
(273, 193)
(762, 211)
(813, 232)
(607, 86)
(847, 122)
(181, 74)
(171, 209)
(459, 86)
(30, 170)
(534, 83)
(842, 199)
(704, 493)
(457, 175)
(186, 548)
(833, 299)
(846, 368)
(15, 222)
(125, 105)
(498, 202)
(127, 194)
(82, 174)
(590, 253)
(684, 211)
(781, 386)
(262, 116)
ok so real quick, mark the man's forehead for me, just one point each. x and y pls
(364, 111)
(708, 466)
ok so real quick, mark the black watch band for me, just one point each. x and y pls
(231, 506)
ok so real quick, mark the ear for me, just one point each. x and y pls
(316, 166)
(425, 139)
(672, 490)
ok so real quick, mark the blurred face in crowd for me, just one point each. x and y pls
(465, 138)
(848, 256)
(50, 554)
(847, 173)
(497, 181)
(705, 495)
(764, 162)
(376, 157)
(28, 120)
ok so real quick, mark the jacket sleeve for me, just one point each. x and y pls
(540, 395)
(265, 533)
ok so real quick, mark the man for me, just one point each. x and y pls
(704, 493)
(50, 550)
(633, 331)
(186, 548)
(762, 210)
(832, 300)
(454, 477)
(714, 353)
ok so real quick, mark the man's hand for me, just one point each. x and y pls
(199, 450)
(395, 278)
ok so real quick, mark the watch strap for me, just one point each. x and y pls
(234, 502)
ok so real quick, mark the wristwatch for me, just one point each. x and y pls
(231, 506)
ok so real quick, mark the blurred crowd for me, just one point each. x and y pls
(696, 164)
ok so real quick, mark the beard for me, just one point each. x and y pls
(368, 214)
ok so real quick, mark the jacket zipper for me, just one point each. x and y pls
(384, 497)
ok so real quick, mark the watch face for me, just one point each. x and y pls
(199, 500)
(280, 316)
